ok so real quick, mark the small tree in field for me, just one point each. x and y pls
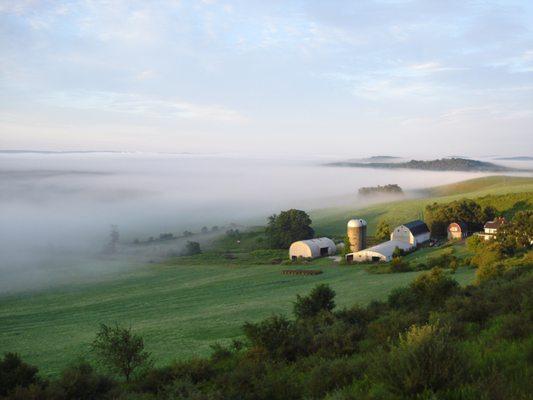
(120, 350)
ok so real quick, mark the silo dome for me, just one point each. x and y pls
(356, 223)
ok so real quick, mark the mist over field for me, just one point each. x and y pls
(57, 209)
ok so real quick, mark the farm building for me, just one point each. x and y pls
(406, 237)
(312, 248)
(381, 252)
(414, 232)
(457, 230)
(491, 228)
(356, 231)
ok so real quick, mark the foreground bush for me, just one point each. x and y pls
(425, 359)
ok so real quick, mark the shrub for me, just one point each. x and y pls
(433, 287)
(425, 359)
(16, 373)
(329, 375)
(399, 265)
(276, 335)
(320, 299)
(191, 249)
(81, 382)
(429, 289)
(489, 271)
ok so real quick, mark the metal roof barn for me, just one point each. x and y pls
(312, 248)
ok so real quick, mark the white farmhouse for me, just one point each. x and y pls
(491, 228)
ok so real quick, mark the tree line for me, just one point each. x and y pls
(438, 215)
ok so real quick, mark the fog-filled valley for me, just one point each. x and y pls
(57, 209)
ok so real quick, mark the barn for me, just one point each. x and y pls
(415, 233)
(312, 248)
(457, 230)
(381, 252)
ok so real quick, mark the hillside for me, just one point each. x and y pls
(185, 305)
(443, 164)
(503, 192)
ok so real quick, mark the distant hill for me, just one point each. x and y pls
(518, 158)
(443, 164)
(375, 159)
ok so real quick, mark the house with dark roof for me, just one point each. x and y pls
(457, 230)
(415, 233)
(491, 228)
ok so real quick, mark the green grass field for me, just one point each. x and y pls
(185, 305)
(179, 310)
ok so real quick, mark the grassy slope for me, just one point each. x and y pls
(180, 310)
(332, 222)
(183, 307)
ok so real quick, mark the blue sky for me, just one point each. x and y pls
(419, 78)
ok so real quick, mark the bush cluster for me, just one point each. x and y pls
(430, 340)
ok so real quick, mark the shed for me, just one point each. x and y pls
(312, 248)
(380, 252)
(414, 232)
(457, 230)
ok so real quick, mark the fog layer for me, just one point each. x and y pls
(56, 209)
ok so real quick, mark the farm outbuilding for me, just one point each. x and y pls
(457, 230)
(381, 252)
(312, 248)
(414, 232)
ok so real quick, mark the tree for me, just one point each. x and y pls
(114, 237)
(81, 382)
(383, 230)
(425, 359)
(15, 373)
(516, 234)
(275, 335)
(204, 230)
(120, 350)
(191, 249)
(439, 216)
(347, 248)
(288, 227)
(320, 299)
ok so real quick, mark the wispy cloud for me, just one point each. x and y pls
(142, 105)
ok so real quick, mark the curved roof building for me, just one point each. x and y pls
(312, 248)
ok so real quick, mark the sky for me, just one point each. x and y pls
(396, 77)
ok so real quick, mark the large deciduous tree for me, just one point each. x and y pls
(289, 226)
